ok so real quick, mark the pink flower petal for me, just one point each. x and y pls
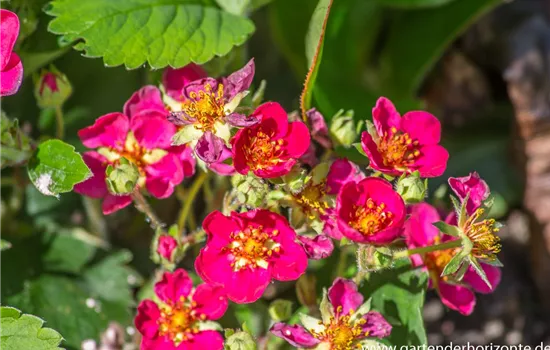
(376, 161)
(341, 172)
(297, 139)
(210, 300)
(173, 285)
(238, 143)
(152, 130)
(241, 120)
(9, 31)
(318, 247)
(291, 263)
(419, 230)
(422, 126)
(376, 325)
(473, 185)
(239, 81)
(146, 319)
(174, 80)
(209, 339)
(95, 186)
(458, 298)
(218, 227)
(147, 98)
(11, 76)
(159, 343)
(343, 293)
(163, 175)
(213, 265)
(221, 167)
(247, 285)
(493, 274)
(185, 154)
(166, 245)
(209, 148)
(109, 130)
(432, 162)
(115, 203)
(385, 116)
(273, 118)
(295, 335)
(319, 128)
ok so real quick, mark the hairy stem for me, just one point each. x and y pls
(60, 124)
(428, 249)
(143, 206)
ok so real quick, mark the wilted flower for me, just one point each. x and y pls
(271, 147)
(346, 322)
(404, 145)
(245, 251)
(472, 188)
(175, 80)
(11, 68)
(317, 247)
(370, 211)
(208, 110)
(144, 140)
(457, 295)
(179, 320)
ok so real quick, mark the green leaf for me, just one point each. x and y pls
(314, 50)
(447, 229)
(418, 38)
(236, 7)
(413, 3)
(399, 295)
(22, 331)
(161, 32)
(454, 264)
(56, 167)
(67, 253)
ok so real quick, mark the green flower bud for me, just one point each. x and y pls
(280, 310)
(240, 341)
(343, 128)
(412, 188)
(51, 88)
(122, 179)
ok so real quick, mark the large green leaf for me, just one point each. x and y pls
(161, 32)
(21, 331)
(399, 295)
(418, 38)
(414, 3)
(56, 167)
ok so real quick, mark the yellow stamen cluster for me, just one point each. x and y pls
(252, 247)
(310, 199)
(340, 332)
(398, 150)
(371, 218)
(262, 151)
(437, 260)
(178, 321)
(205, 108)
(482, 234)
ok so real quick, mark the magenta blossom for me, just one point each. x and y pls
(178, 320)
(208, 111)
(317, 247)
(340, 173)
(144, 140)
(459, 296)
(166, 246)
(346, 323)
(270, 148)
(175, 80)
(404, 144)
(11, 68)
(245, 251)
(370, 211)
(472, 186)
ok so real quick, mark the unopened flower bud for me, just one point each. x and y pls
(343, 128)
(240, 341)
(122, 179)
(371, 258)
(280, 310)
(51, 88)
(166, 246)
(412, 188)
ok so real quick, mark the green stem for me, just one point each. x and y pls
(428, 249)
(190, 198)
(144, 207)
(60, 130)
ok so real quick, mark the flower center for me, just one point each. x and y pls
(311, 199)
(205, 108)
(252, 248)
(177, 321)
(262, 152)
(371, 218)
(482, 234)
(398, 150)
(340, 332)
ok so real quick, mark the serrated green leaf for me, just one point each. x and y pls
(55, 168)
(160, 32)
(494, 262)
(21, 331)
(67, 253)
(447, 229)
(413, 3)
(480, 272)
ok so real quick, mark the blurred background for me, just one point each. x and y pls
(481, 66)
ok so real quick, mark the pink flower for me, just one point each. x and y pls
(472, 186)
(370, 211)
(166, 245)
(270, 148)
(177, 322)
(11, 68)
(404, 145)
(245, 251)
(175, 80)
(144, 140)
(341, 172)
(317, 247)
(207, 111)
(344, 325)
(459, 296)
